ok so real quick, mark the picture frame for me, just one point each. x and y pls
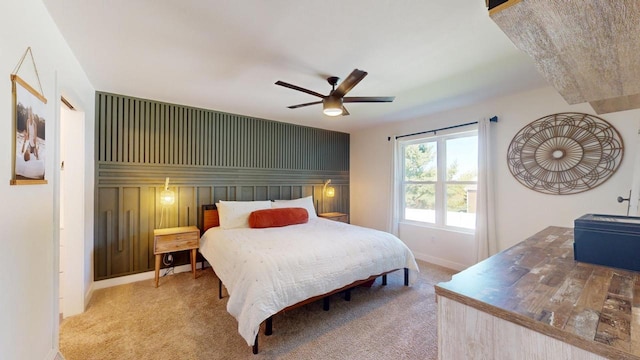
(29, 145)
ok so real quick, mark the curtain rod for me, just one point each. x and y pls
(493, 119)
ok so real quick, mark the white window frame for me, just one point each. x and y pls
(440, 183)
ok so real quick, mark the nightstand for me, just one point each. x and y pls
(176, 239)
(335, 216)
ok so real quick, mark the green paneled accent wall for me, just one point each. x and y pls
(208, 156)
(134, 130)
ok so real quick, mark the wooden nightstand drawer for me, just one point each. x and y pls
(176, 239)
(170, 243)
(335, 216)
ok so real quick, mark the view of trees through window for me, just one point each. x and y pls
(450, 191)
(420, 166)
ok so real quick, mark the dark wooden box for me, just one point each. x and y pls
(608, 240)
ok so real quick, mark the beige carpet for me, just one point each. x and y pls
(184, 319)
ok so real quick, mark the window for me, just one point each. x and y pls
(439, 180)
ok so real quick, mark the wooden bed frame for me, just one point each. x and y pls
(210, 219)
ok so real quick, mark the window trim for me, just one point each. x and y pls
(440, 183)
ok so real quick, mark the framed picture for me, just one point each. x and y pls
(29, 149)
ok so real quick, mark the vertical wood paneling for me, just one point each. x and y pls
(186, 206)
(108, 129)
(173, 134)
(206, 134)
(110, 240)
(225, 140)
(151, 131)
(183, 141)
(162, 137)
(131, 134)
(167, 140)
(134, 139)
(126, 125)
(138, 139)
(218, 141)
(144, 124)
(142, 246)
(220, 193)
(182, 138)
(100, 128)
(120, 128)
(195, 119)
(133, 130)
(274, 192)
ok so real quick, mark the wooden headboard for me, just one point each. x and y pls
(209, 217)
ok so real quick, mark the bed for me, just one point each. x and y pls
(275, 268)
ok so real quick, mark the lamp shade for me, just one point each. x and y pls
(332, 106)
(330, 191)
(167, 197)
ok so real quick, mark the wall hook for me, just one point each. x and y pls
(621, 199)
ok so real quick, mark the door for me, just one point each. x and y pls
(72, 157)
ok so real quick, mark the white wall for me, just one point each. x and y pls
(520, 212)
(28, 283)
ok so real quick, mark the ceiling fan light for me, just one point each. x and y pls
(332, 106)
(332, 112)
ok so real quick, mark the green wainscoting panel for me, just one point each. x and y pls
(208, 156)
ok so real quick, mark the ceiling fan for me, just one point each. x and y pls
(332, 104)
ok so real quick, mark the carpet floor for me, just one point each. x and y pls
(184, 319)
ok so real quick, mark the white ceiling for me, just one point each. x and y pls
(227, 55)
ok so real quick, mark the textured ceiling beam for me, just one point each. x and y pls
(588, 50)
(499, 5)
(622, 103)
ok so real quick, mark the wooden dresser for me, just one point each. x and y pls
(534, 301)
(176, 239)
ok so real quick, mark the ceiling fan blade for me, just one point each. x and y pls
(305, 104)
(368, 99)
(344, 111)
(294, 87)
(352, 80)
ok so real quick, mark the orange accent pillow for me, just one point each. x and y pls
(278, 217)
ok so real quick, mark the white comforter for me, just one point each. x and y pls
(266, 270)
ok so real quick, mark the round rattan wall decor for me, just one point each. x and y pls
(565, 153)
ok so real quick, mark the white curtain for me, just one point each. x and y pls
(394, 199)
(485, 236)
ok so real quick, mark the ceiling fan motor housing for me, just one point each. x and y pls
(333, 81)
(332, 106)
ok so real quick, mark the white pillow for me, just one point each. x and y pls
(235, 214)
(305, 202)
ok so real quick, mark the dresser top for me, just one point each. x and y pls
(175, 230)
(331, 214)
(538, 284)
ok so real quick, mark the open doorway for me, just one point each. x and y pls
(72, 175)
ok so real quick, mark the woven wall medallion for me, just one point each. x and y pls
(565, 153)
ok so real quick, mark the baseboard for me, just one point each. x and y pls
(54, 354)
(127, 279)
(441, 262)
